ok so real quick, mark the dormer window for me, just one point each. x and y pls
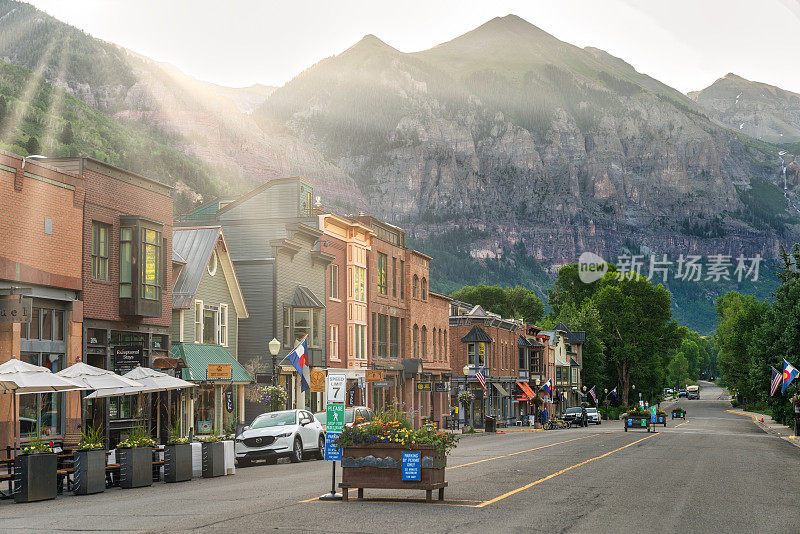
(141, 267)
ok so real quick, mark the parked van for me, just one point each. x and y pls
(692, 392)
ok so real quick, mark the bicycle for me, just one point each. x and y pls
(555, 424)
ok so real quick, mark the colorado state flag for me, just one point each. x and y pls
(789, 374)
(299, 359)
(547, 386)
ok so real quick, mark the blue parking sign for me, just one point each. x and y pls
(333, 452)
(411, 466)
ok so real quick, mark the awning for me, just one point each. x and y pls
(527, 389)
(500, 389)
(198, 355)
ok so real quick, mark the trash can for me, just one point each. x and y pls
(489, 424)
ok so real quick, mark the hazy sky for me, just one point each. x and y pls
(684, 43)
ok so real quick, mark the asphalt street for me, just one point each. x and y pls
(715, 472)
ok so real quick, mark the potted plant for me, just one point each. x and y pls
(177, 457)
(90, 463)
(213, 455)
(274, 397)
(372, 455)
(135, 456)
(35, 470)
(465, 399)
(640, 418)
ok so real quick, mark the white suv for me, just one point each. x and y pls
(287, 434)
(594, 415)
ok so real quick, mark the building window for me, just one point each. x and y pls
(307, 322)
(333, 288)
(523, 360)
(482, 354)
(212, 263)
(100, 233)
(433, 343)
(416, 341)
(394, 334)
(210, 324)
(359, 284)
(374, 333)
(223, 325)
(359, 342)
(445, 344)
(415, 287)
(472, 357)
(424, 354)
(536, 362)
(424, 288)
(151, 264)
(402, 279)
(181, 327)
(394, 277)
(45, 325)
(42, 413)
(287, 326)
(382, 274)
(383, 332)
(333, 342)
(198, 321)
(574, 375)
(126, 262)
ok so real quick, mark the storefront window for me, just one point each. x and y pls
(204, 409)
(42, 413)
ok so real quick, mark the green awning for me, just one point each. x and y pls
(198, 355)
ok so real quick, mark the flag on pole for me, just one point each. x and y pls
(592, 393)
(299, 359)
(481, 379)
(613, 392)
(548, 387)
(777, 378)
(789, 374)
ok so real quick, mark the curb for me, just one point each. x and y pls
(788, 437)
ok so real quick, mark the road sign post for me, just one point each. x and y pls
(334, 426)
(654, 417)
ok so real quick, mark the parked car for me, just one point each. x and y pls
(669, 391)
(576, 416)
(681, 393)
(287, 434)
(594, 415)
(352, 416)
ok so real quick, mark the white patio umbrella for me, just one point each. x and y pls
(22, 378)
(148, 381)
(95, 378)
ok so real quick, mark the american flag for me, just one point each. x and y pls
(481, 379)
(592, 393)
(777, 378)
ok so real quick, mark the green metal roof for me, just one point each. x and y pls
(198, 355)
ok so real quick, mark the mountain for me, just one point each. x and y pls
(203, 120)
(756, 109)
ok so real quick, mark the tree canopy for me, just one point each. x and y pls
(511, 302)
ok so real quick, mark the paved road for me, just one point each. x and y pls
(717, 472)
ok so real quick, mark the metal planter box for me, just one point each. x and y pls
(679, 413)
(636, 421)
(135, 467)
(380, 466)
(35, 477)
(178, 462)
(90, 472)
(213, 459)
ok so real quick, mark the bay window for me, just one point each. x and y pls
(142, 269)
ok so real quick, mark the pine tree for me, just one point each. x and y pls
(3, 109)
(33, 146)
(66, 136)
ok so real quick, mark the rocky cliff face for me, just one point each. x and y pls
(510, 131)
(756, 109)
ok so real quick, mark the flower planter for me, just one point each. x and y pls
(178, 462)
(379, 466)
(35, 477)
(135, 467)
(636, 421)
(90, 472)
(679, 413)
(213, 459)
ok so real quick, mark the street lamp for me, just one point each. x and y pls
(465, 370)
(274, 348)
(605, 396)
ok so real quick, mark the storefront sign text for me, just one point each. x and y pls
(16, 310)
(219, 371)
(127, 359)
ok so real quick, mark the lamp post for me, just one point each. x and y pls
(465, 370)
(605, 401)
(274, 348)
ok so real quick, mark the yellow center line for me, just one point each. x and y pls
(742, 413)
(522, 452)
(548, 477)
(676, 426)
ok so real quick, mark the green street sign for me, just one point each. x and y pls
(334, 418)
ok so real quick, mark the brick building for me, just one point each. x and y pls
(127, 279)
(563, 358)
(40, 262)
(484, 341)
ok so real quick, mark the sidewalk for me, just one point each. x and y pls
(771, 427)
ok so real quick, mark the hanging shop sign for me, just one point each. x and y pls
(16, 310)
(317, 381)
(127, 359)
(218, 371)
(441, 387)
(229, 401)
(423, 386)
(373, 375)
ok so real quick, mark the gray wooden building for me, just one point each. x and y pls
(274, 240)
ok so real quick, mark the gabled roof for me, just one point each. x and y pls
(197, 357)
(304, 298)
(194, 245)
(477, 335)
(524, 342)
(258, 190)
(577, 337)
(573, 362)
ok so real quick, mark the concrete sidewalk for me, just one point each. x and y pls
(767, 424)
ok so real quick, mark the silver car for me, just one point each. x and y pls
(594, 416)
(288, 434)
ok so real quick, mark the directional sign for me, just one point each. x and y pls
(333, 452)
(334, 420)
(336, 387)
(411, 466)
